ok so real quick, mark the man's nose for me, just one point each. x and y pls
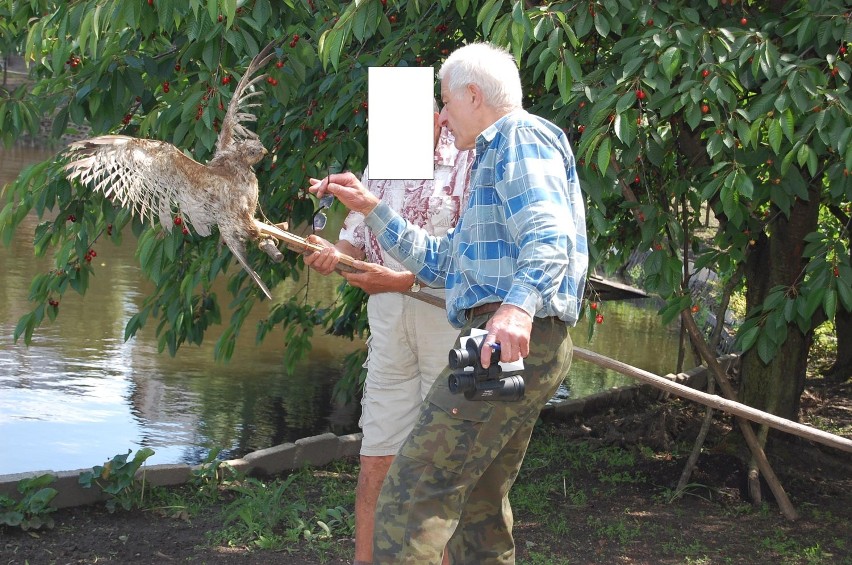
(442, 118)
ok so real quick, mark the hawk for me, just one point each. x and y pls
(155, 177)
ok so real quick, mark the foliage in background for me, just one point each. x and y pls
(742, 105)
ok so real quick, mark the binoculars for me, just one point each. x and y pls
(481, 383)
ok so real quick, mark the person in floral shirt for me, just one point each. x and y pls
(409, 338)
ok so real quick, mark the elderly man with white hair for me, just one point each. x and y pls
(516, 265)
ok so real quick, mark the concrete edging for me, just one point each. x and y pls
(324, 448)
(314, 451)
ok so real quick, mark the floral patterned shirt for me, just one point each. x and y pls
(430, 204)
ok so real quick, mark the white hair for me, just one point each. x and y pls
(489, 67)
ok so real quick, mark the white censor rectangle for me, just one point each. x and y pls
(400, 142)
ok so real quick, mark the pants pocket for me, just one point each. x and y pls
(448, 428)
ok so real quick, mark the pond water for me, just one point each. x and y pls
(80, 394)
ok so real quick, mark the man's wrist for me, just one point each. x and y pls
(369, 206)
(415, 284)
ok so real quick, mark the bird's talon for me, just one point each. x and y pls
(269, 247)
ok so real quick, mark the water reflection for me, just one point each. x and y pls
(81, 394)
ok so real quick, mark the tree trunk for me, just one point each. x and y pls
(776, 259)
(842, 368)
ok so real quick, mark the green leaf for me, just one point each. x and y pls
(766, 348)
(366, 19)
(670, 62)
(604, 154)
(775, 135)
(488, 14)
(829, 303)
(626, 128)
(330, 46)
(748, 338)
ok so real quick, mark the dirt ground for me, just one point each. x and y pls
(592, 515)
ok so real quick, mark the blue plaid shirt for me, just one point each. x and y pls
(522, 238)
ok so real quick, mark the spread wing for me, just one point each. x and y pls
(151, 177)
(232, 130)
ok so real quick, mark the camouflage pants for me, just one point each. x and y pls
(449, 484)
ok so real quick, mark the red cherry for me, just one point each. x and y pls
(220, 18)
(593, 305)
(743, 21)
(185, 231)
(836, 272)
(126, 119)
(640, 94)
(226, 79)
(705, 73)
(177, 67)
(599, 318)
(178, 220)
(72, 218)
(705, 109)
(150, 2)
(650, 22)
(581, 128)
(695, 308)
(279, 64)
(842, 50)
(392, 18)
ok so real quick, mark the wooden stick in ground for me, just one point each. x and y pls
(691, 461)
(346, 263)
(748, 433)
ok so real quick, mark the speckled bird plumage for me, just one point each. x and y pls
(153, 178)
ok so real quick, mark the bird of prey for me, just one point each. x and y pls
(155, 178)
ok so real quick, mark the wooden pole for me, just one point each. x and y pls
(715, 401)
(301, 245)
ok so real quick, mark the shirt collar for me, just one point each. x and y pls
(484, 139)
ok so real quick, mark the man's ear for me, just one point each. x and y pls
(475, 94)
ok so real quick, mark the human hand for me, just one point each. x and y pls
(324, 261)
(511, 327)
(374, 278)
(348, 189)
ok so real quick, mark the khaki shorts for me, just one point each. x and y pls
(408, 348)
